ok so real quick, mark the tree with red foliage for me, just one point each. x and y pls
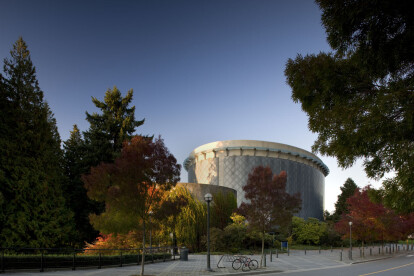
(130, 186)
(372, 221)
(269, 203)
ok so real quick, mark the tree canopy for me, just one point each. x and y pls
(102, 142)
(269, 204)
(359, 98)
(131, 185)
(341, 206)
(308, 232)
(107, 131)
(372, 221)
(222, 207)
(32, 206)
(75, 192)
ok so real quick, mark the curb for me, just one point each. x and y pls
(378, 259)
(371, 260)
(258, 271)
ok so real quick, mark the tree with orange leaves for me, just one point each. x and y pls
(131, 185)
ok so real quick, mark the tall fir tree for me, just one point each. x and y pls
(76, 198)
(110, 129)
(102, 142)
(33, 211)
(341, 207)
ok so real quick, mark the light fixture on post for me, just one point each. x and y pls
(350, 240)
(150, 225)
(208, 198)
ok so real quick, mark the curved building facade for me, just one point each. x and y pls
(228, 164)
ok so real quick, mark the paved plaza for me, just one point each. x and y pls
(297, 260)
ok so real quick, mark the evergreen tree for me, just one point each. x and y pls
(110, 129)
(76, 198)
(33, 211)
(102, 142)
(341, 207)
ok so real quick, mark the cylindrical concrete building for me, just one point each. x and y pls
(228, 164)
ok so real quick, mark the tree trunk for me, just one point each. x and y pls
(175, 248)
(261, 259)
(363, 250)
(143, 248)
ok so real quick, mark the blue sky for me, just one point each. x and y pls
(201, 71)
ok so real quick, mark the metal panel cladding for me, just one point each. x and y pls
(228, 164)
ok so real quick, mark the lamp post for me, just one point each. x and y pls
(208, 198)
(150, 241)
(350, 240)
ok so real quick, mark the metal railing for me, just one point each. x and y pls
(70, 258)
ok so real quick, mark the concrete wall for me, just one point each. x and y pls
(199, 190)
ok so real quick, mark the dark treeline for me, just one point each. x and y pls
(43, 202)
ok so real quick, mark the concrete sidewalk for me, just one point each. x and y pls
(196, 265)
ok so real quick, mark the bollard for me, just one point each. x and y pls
(264, 260)
(277, 254)
(100, 259)
(271, 255)
(340, 256)
(138, 258)
(41, 263)
(74, 261)
(360, 253)
(370, 251)
(152, 255)
(2, 260)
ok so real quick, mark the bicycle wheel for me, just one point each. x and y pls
(245, 266)
(253, 265)
(237, 263)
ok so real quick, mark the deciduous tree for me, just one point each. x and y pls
(269, 203)
(360, 98)
(222, 207)
(130, 186)
(191, 223)
(372, 221)
(168, 211)
(308, 232)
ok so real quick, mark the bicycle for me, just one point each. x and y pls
(245, 263)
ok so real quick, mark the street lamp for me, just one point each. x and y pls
(150, 241)
(208, 198)
(350, 240)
